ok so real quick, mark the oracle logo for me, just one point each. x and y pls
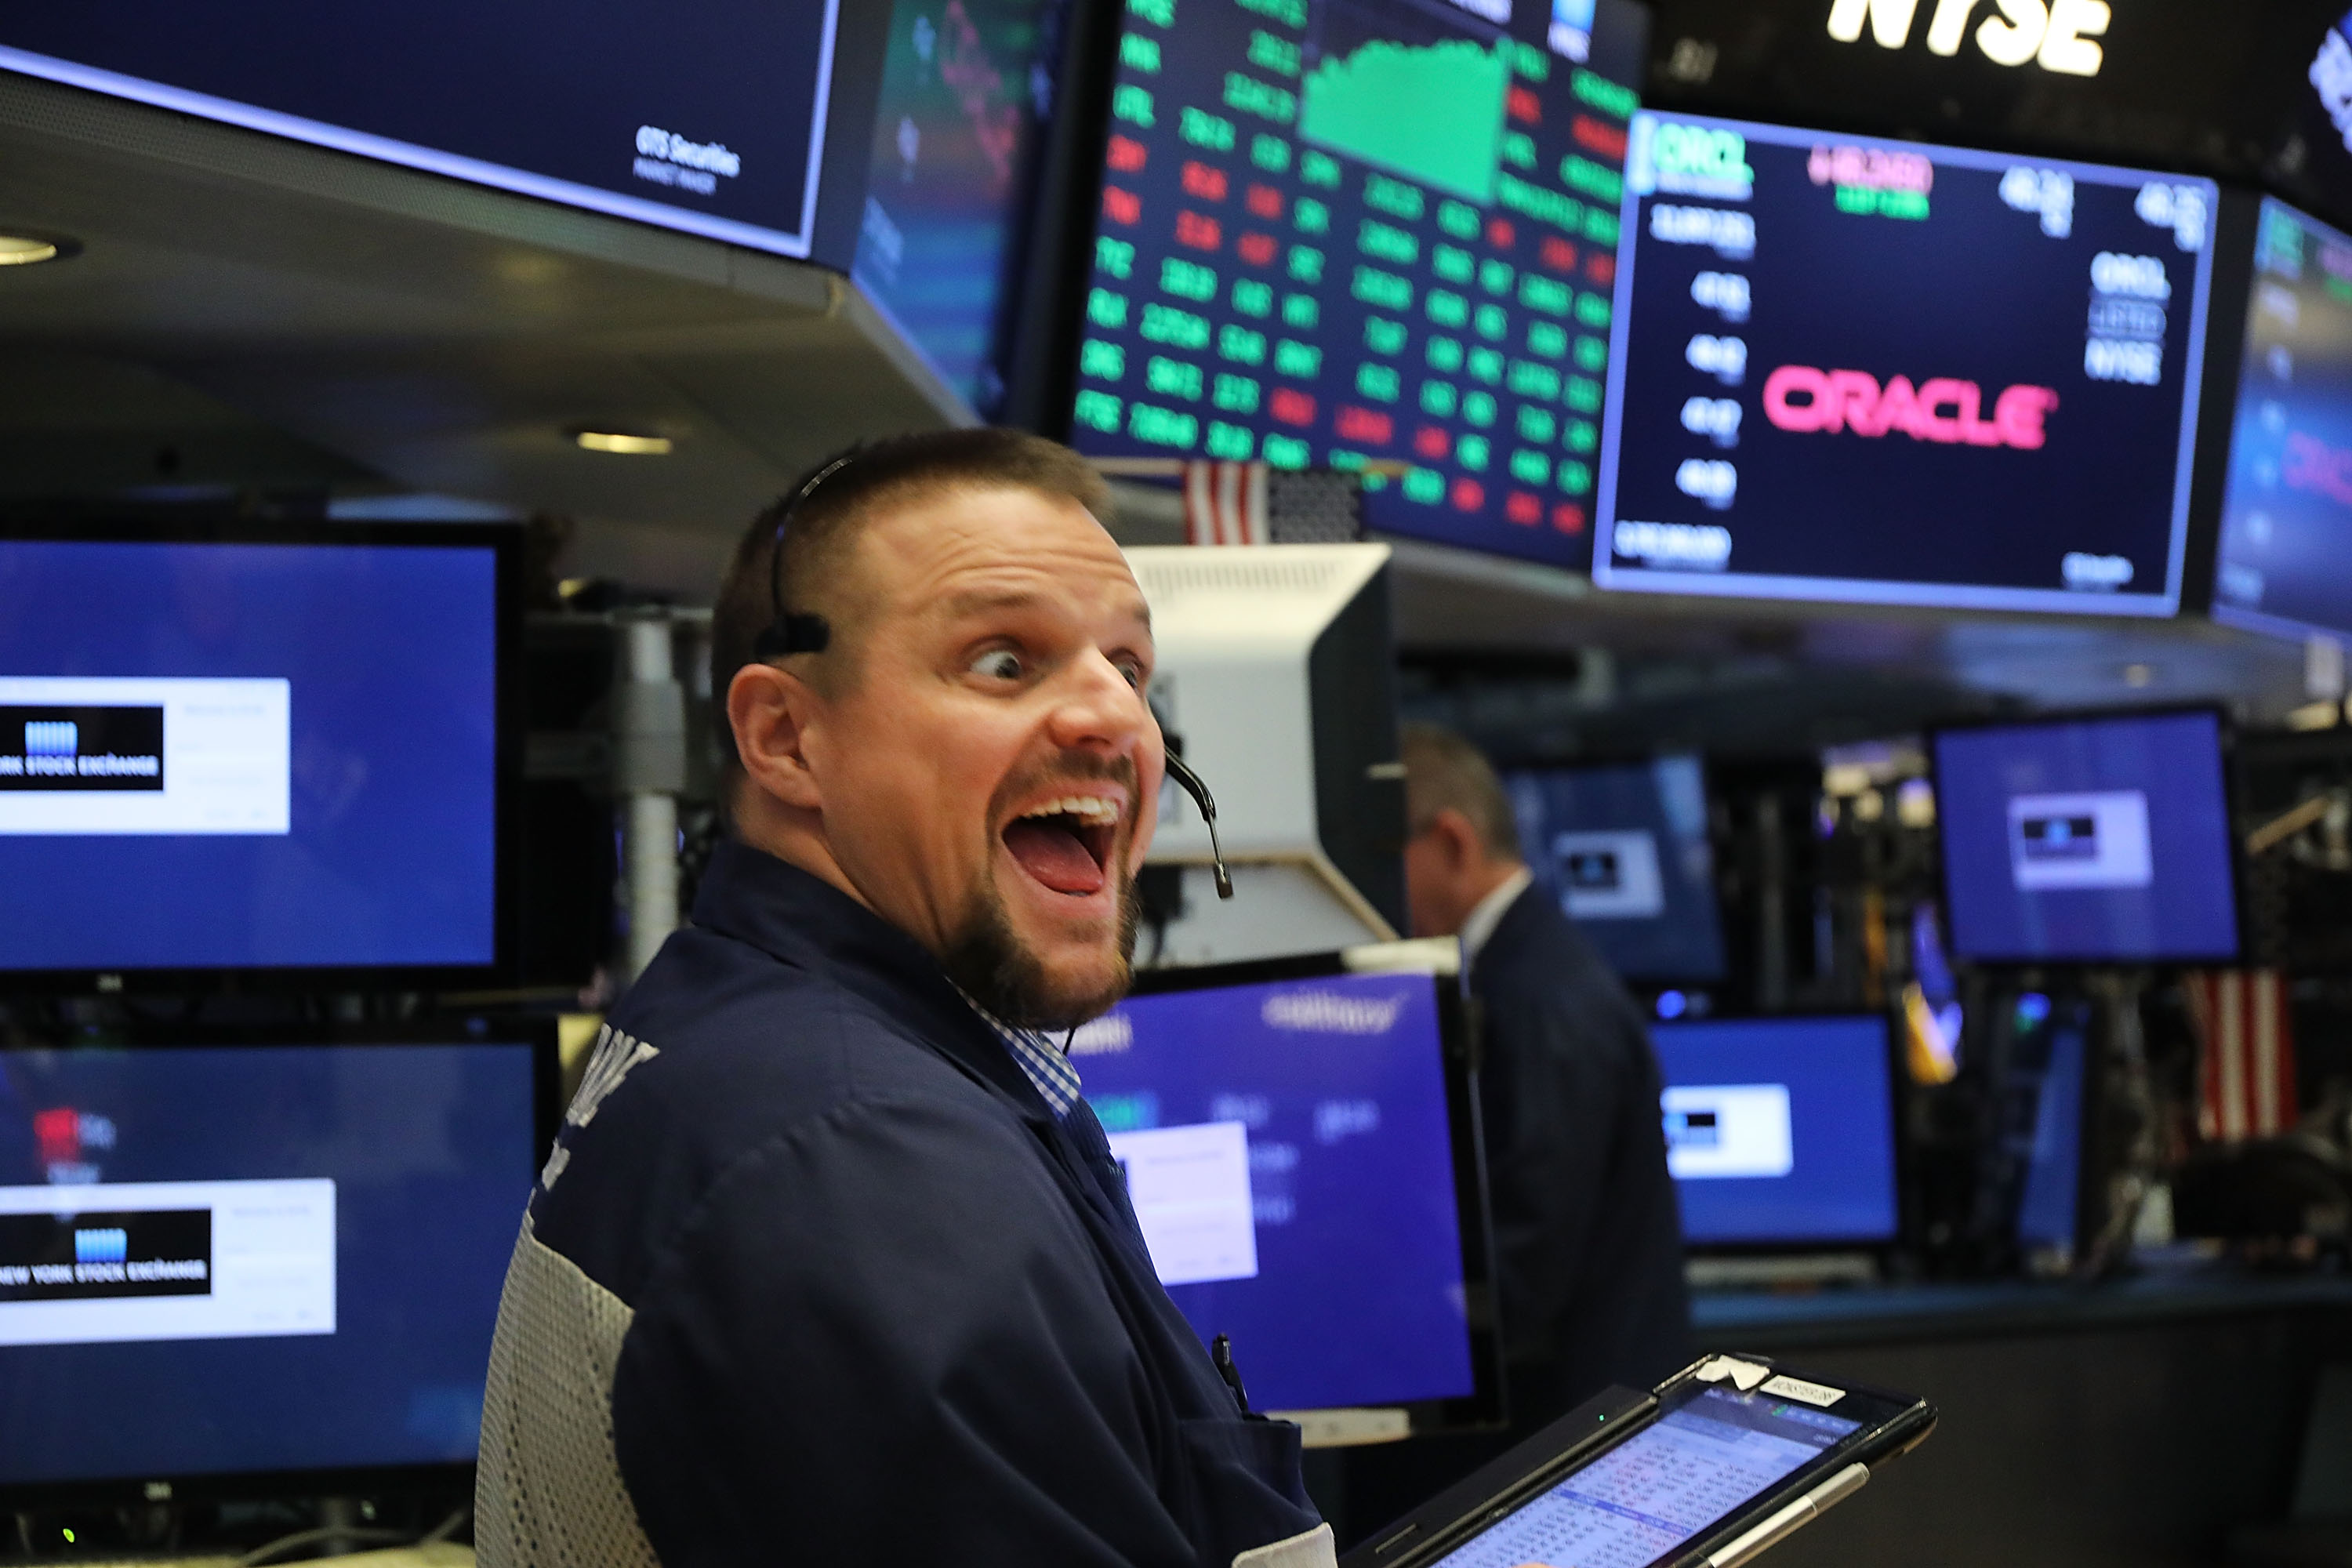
(2313, 464)
(1799, 398)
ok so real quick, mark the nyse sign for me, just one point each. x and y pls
(2056, 34)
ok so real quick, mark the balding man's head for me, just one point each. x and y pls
(971, 755)
(1462, 840)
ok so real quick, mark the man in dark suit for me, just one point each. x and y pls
(1588, 1238)
(1589, 1256)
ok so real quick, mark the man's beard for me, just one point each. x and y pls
(987, 960)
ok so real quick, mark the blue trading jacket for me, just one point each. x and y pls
(813, 1275)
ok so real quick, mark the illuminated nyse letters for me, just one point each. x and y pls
(2056, 34)
(1799, 398)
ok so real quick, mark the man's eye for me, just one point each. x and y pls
(998, 664)
(1133, 672)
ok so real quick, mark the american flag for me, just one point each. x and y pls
(1224, 503)
(2245, 1052)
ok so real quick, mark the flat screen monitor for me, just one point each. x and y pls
(711, 121)
(1851, 369)
(2089, 840)
(1299, 1146)
(2285, 554)
(266, 753)
(1340, 230)
(256, 1255)
(967, 87)
(1625, 852)
(1780, 1131)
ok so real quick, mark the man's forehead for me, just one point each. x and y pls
(971, 552)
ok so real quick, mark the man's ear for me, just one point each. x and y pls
(1460, 837)
(770, 711)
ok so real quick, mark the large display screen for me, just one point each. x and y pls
(1625, 852)
(1860, 370)
(228, 1259)
(1338, 230)
(1714, 1452)
(1288, 1149)
(1780, 1131)
(2285, 562)
(2100, 840)
(966, 86)
(708, 118)
(248, 755)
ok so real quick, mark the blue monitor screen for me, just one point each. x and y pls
(1846, 368)
(1290, 266)
(247, 757)
(2285, 562)
(1625, 851)
(965, 86)
(1287, 1151)
(282, 1258)
(2092, 840)
(1780, 1131)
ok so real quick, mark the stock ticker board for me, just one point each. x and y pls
(1851, 369)
(1337, 231)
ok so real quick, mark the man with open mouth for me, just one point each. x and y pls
(832, 1263)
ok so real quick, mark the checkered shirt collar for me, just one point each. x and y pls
(1041, 1060)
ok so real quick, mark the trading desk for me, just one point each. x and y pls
(2134, 1422)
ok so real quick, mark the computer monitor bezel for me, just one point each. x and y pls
(1598, 762)
(2226, 735)
(1483, 1407)
(505, 542)
(1898, 1085)
(454, 1478)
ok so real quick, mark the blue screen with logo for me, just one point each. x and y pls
(1854, 369)
(1287, 1153)
(1625, 852)
(248, 755)
(1780, 1131)
(2092, 840)
(221, 1259)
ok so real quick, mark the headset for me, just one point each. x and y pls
(794, 631)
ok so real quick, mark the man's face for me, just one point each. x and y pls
(989, 770)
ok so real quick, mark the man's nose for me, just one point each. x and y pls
(1100, 708)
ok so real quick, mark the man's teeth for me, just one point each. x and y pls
(1086, 807)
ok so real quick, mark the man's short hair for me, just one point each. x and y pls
(821, 525)
(1442, 772)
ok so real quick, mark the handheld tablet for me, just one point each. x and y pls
(1725, 1459)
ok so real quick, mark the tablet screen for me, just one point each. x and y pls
(1645, 1497)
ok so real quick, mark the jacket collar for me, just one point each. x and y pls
(803, 920)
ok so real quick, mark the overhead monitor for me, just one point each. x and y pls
(1780, 1131)
(1299, 1147)
(1624, 850)
(710, 118)
(966, 89)
(1852, 369)
(2286, 561)
(282, 752)
(2091, 840)
(1333, 231)
(224, 1263)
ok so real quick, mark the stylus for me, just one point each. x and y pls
(1786, 1520)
